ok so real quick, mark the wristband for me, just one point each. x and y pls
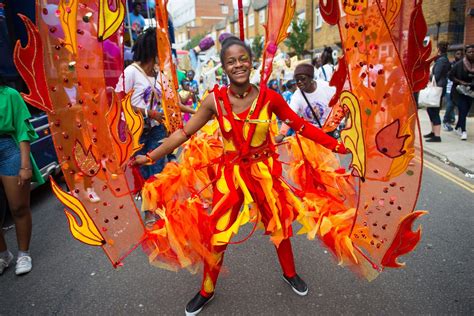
(184, 133)
(146, 112)
(149, 160)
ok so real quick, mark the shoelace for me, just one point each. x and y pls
(23, 261)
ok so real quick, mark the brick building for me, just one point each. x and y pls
(469, 23)
(195, 17)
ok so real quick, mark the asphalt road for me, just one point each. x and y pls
(70, 278)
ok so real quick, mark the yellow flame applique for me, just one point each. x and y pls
(87, 232)
(68, 18)
(128, 143)
(109, 20)
(352, 137)
(134, 122)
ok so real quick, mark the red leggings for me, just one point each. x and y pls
(284, 251)
(285, 257)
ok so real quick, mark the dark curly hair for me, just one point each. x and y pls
(326, 56)
(144, 49)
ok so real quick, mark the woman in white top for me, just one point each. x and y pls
(327, 68)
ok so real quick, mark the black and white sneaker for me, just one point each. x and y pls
(297, 284)
(197, 303)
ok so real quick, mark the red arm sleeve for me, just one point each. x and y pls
(305, 128)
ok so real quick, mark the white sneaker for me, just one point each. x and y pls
(459, 131)
(23, 265)
(5, 262)
(93, 197)
(464, 135)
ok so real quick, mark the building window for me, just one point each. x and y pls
(224, 9)
(251, 18)
(302, 16)
(261, 16)
(318, 19)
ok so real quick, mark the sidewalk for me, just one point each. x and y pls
(452, 149)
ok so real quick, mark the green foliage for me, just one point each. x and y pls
(194, 41)
(298, 36)
(257, 47)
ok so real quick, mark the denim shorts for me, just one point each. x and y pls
(10, 157)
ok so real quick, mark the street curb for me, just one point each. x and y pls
(444, 159)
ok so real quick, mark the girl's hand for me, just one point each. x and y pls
(157, 116)
(24, 176)
(139, 160)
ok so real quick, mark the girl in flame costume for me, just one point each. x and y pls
(248, 177)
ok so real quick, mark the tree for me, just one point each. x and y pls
(298, 36)
(194, 41)
(257, 46)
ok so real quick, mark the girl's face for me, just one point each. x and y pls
(237, 64)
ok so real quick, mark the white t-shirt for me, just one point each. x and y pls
(325, 72)
(319, 100)
(142, 94)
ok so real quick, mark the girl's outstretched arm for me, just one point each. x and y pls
(198, 120)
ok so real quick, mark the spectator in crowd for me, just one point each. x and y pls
(17, 170)
(316, 62)
(449, 116)
(462, 76)
(327, 68)
(290, 88)
(440, 73)
(193, 84)
(142, 77)
(187, 97)
(136, 20)
(273, 84)
(311, 100)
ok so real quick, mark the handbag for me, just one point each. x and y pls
(430, 97)
(465, 90)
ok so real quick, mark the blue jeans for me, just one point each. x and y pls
(464, 106)
(449, 116)
(150, 141)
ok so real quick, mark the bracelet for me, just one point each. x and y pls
(25, 169)
(146, 112)
(149, 160)
(184, 133)
(336, 149)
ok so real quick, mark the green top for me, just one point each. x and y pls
(14, 117)
(181, 75)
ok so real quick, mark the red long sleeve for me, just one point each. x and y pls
(305, 128)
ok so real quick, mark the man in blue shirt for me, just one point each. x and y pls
(136, 20)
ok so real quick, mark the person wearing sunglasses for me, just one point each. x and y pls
(311, 100)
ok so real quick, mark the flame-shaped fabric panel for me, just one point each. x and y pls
(169, 80)
(125, 141)
(381, 80)
(353, 136)
(279, 19)
(80, 98)
(68, 17)
(29, 62)
(110, 20)
(86, 231)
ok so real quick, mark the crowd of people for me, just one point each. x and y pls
(456, 78)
